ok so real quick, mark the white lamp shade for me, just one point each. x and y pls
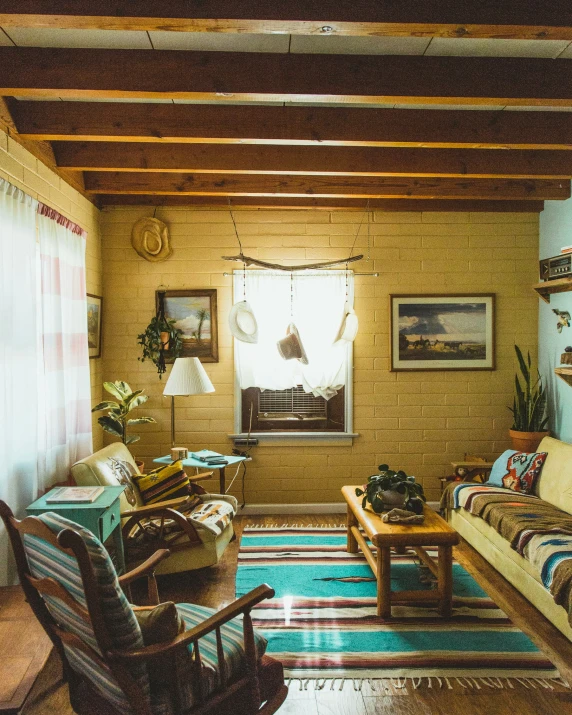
(188, 377)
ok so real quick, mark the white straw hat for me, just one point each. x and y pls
(150, 238)
(291, 346)
(242, 322)
(349, 327)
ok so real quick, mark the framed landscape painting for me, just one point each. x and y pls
(195, 313)
(94, 305)
(442, 332)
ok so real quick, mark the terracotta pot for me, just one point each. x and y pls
(165, 340)
(526, 441)
(140, 465)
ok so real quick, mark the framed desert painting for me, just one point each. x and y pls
(442, 332)
(195, 313)
(94, 306)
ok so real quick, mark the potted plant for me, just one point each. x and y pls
(117, 421)
(390, 489)
(528, 409)
(159, 336)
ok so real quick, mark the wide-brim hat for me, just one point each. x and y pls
(150, 238)
(349, 327)
(291, 347)
(242, 322)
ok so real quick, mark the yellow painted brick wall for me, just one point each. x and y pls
(23, 170)
(419, 421)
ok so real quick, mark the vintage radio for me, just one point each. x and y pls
(556, 267)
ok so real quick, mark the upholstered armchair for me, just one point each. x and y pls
(196, 528)
(189, 660)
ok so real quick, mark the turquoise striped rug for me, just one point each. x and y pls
(323, 624)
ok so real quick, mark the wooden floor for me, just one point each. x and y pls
(215, 587)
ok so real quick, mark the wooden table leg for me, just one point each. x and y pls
(352, 547)
(221, 477)
(445, 580)
(383, 582)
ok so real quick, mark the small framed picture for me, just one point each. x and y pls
(442, 332)
(94, 307)
(195, 313)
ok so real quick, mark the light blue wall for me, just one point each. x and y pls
(555, 232)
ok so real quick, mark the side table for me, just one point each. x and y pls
(101, 517)
(190, 462)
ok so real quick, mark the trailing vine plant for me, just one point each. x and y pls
(160, 338)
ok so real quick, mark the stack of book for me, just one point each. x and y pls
(566, 249)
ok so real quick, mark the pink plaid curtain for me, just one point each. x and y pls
(64, 401)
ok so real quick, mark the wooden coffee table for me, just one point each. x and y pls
(433, 532)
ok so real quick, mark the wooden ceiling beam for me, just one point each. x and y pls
(313, 160)
(280, 202)
(318, 126)
(250, 76)
(417, 18)
(324, 186)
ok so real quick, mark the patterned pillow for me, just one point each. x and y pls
(517, 470)
(164, 483)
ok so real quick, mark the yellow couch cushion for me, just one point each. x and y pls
(555, 482)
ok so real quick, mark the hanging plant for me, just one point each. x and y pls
(160, 336)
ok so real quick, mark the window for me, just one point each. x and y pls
(285, 397)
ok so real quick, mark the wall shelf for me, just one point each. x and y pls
(546, 288)
(565, 373)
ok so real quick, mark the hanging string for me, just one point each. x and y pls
(368, 217)
(234, 224)
(240, 247)
(365, 213)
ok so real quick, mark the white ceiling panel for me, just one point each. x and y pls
(104, 39)
(5, 41)
(456, 107)
(277, 103)
(219, 42)
(538, 109)
(348, 45)
(452, 47)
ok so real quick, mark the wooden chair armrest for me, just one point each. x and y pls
(241, 605)
(160, 512)
(159, 506)
(199, 477)
(148, 566)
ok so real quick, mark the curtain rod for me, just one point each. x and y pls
(375, 275)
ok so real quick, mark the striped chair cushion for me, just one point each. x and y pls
(233, 647)
(46, 561)
(163, 483)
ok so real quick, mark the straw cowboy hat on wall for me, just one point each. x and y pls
(150, 238)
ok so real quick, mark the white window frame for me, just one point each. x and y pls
(291, 437)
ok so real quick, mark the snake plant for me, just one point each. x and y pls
(529, 403)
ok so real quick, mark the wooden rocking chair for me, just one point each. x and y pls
(216, 665)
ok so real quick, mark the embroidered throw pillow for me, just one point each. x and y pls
(168, 482)
(517, 470)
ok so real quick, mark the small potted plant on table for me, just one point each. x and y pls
(390, 489)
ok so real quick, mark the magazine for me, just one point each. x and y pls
(74, 495)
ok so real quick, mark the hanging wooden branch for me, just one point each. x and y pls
(277, 267)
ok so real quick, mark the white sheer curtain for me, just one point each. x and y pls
(65, 408)
(314, 301)
(18, 358)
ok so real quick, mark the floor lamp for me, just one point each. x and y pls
(188, 377)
